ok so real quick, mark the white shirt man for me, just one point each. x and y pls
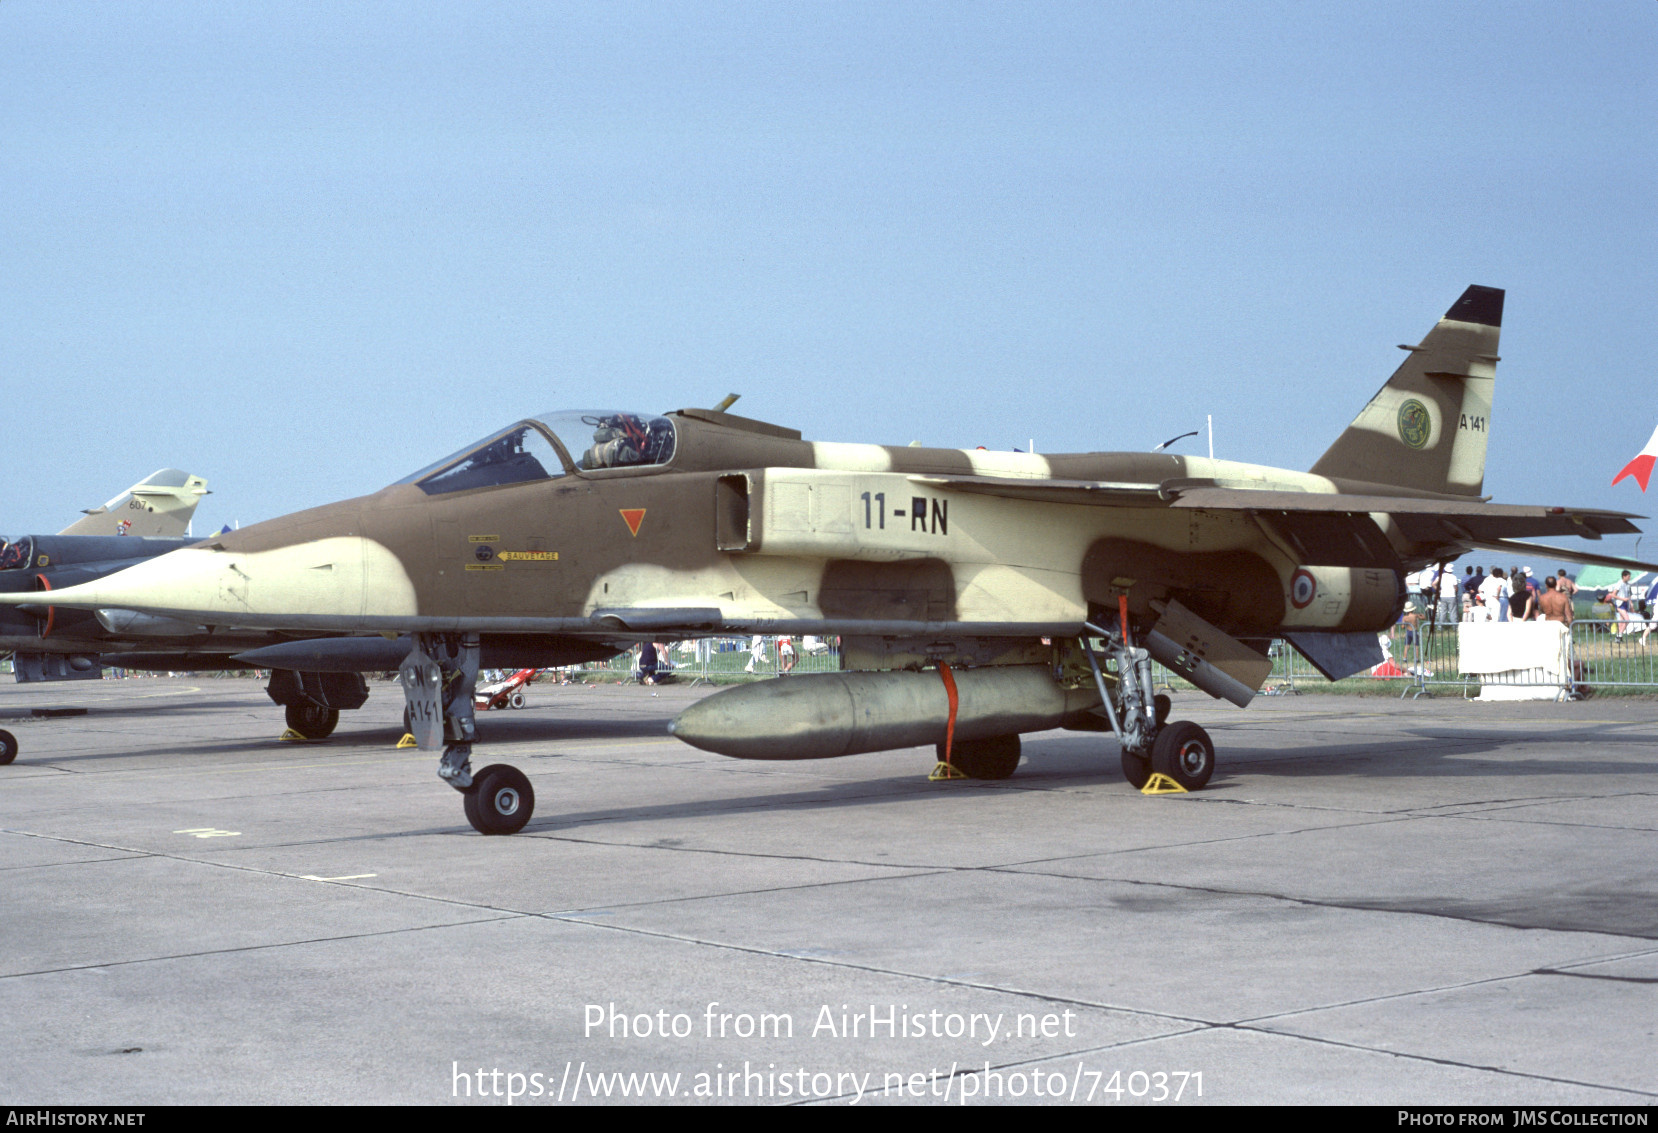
(1494, 593)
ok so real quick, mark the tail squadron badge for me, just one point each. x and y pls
(1414, 423)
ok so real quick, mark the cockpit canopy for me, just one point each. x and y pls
(550, 445)
(16, 555)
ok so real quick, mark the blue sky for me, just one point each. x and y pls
(303, 249)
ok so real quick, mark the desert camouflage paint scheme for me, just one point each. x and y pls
(612, 526)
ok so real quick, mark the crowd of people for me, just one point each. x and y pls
(1516, 595)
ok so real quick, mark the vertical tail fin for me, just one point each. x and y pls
(1427, 427)
(160, 504)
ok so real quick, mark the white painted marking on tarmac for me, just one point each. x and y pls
(209, 832)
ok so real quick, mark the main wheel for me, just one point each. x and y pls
(1161, 705)
(1136, 769)
(501, 800)
(516, 700)
(8, 747)
(312, 721)
(993, 758)
(1185, 753)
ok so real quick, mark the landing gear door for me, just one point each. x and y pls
(422, 680)
(1214, 661)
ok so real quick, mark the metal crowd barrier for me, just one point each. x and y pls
(1615, 653)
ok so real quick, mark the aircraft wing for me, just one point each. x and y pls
(1103, 493)
(1422, 520)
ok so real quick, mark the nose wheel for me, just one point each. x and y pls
(500, 800)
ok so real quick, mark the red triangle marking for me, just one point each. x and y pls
(633, 517)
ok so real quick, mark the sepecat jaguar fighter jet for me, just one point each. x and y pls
(978, 594)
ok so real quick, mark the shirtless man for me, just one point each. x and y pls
(1555, 605)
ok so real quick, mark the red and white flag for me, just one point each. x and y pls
(1641, 466)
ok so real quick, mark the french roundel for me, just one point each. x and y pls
(1303, 587)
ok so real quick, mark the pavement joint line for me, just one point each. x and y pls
(84, 861)
(1257, 1021)
(911, 867)
(1594, 976)
(264, 947)
(1318, 903)
(899, 872)
(1220, 1028)
(897, 973)
(1488, 816)
(1520, 800)
(1440, 1060)
(263, 871)
(1196, 842)
(598, 910)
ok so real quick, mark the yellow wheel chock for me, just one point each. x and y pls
(1161, 784)
(408, 740)
(943, 771)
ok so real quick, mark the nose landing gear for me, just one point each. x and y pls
(439, 677)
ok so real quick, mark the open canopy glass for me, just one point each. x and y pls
(524, 452)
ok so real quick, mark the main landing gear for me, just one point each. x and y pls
(1181, 750)
(439, 677)
(313, 701)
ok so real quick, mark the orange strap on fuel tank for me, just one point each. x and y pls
(955, 702)
(51, 611)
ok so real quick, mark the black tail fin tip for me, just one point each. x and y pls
(1482, 305)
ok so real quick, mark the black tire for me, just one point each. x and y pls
(1162, 705)
(408, 721)
(501, 800)
(1136, 769)
(8, 747)
(993, 758)
(313, 721)
(1185, 753)
(516, 700)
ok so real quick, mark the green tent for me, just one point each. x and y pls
(1598, 577)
